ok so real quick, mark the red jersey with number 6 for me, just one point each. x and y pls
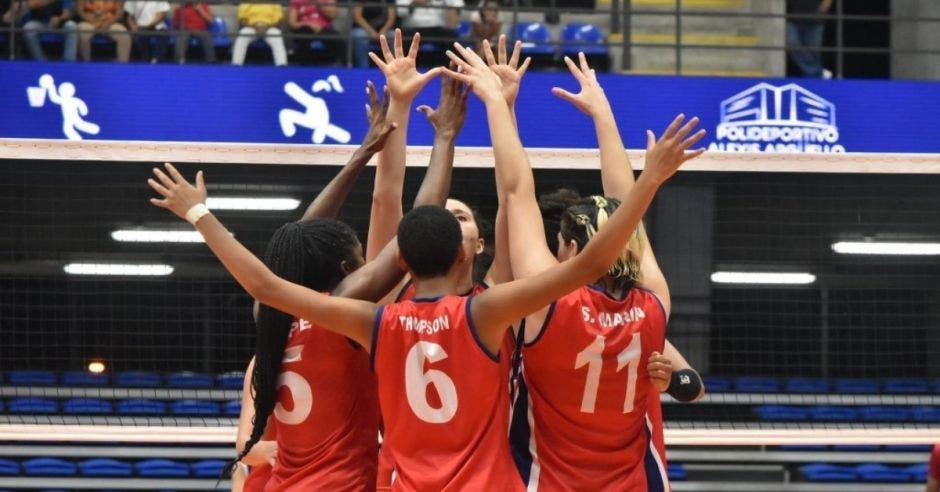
(585, 395)
(444, 399)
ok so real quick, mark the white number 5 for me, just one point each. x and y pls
(417, 381)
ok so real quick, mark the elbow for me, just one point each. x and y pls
(262, 288)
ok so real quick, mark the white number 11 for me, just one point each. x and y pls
(592, 357)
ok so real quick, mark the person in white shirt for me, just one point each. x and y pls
(144, 20)
(432, 18)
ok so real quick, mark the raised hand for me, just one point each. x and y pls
(591, 100)
(474, 72)
(178, 195)
(401, 73)
(448, 118)
(664, 156)
(508, 70)
(379, 126)
(659, 368)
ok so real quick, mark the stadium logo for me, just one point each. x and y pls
(316, 114)
(73, 108)
(766, 118)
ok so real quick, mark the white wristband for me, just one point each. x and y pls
(196, 212)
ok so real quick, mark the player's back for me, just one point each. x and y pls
(583, 404)
(327, 415)
(444, 399)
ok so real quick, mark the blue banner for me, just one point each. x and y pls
(326, 105)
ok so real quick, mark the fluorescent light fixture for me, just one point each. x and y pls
(885, 248)
(156, 236)
(125, 269)
(251, 203)
(96, 366)
(773, 278)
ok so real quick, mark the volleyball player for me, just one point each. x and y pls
(584, 398)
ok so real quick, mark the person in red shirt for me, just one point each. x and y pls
(933, 470)
(313, 20)
(192, 19)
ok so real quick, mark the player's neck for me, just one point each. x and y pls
(448, 284)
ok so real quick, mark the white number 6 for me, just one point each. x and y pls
(417, 381)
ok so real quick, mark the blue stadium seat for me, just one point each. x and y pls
(757, 385)
(161, 468)
(464, 30)
(873, 472)
(2, 407)
(232, 408)
(49, 467)
(677, 472)
(778, 413)
(84, 378)
(87, 406)
(824, 472)
(715, 384)
(194, 407)
(135, 379)
(231, 380)
(907, 385)
(886, 414)
(925, 414)
(105, 467)
(141, 407)
(918, 472)
(33, 405)
(33, 378)
(849, 385)
(536, 38)
(186, 379)
(856, 448)
(9, 468)
(909, 448)
(807, 385)
(220, 35)
(208, 468)
(827, 413)
(804, 447)
(583, 37)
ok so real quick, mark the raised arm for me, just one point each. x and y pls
(347, 317)
(404, 83)
(329, 201)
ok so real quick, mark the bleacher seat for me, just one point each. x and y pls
(886, 413)
(856, 448)
(84, 378)
(2, 407)
(105, 467)
(586, 38)
(715, 384)
(141, 407)
(49, 467)
(232, 408)
(135, 379)
(907, 385)
(208, 468)
(918, 472)
(536, 38)
(33, 378)
(909, 448)
(834, 413)
(677, 472)
(464, 30)
(87, 406)
(161, 468)
(757, 385)
(231, 380)
(824, 472)
(807, 385)
(33, 405)
(187, 379)
(925, 414)
(777, 413)
(9, 468)
(848, 385)
(874, 472)
(194, 407)
(220, 35)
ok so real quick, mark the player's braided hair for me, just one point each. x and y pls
(309, 253)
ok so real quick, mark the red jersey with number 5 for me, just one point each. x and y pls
(444, 399)
(585, 395)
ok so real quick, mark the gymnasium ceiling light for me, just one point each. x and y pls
(763, 278)
(156, 236)
(122, 269)
(252, 203)
(885, 248)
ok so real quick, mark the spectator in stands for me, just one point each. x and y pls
(933, 470)
(315, 17)
(102, 17)
(192, 19)
(805, 36)
(51, 14)
(370, 22)
(7, 12)
(432, 18)
(259, 20)
(147, 21)
(486, 24)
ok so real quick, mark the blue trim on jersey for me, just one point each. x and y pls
(427, 299)
(658, 301)
(548, 317)
(654, 479)
(473, 332)
(375, 336)
(520, 434)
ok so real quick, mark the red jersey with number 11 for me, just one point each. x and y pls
(443, 397)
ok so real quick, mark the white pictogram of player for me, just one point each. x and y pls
(316, 115)
(73, 108)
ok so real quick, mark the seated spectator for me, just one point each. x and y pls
(146, 19)
(432, 18)
(486, 24)
(51, 14)
(192, 19)
(102, 17)
(306, 17)
(259, 20)
(370, 22)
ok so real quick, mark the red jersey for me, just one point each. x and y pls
(327, 417)
(584, 399)
(933, 469)
(257, 479)
(444, 399)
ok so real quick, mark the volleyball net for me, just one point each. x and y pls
(804, 286)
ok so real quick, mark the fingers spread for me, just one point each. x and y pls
(399, 51)
(159, 203)
(158, 187)
(415, 44)
(163, 178)
(383, 43)
(525, 66)
(378, 61)
(516, 52)
(574, 69)
(671, 129)
(501, 47)
(686, 128)
(488, 52)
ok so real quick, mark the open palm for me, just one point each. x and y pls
(401, 73)
(508, 70)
